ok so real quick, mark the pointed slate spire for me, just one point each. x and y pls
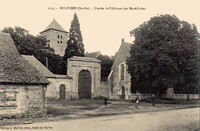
(54, 25)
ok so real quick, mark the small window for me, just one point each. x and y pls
(60, 42)
(61, 37)
(58, 36)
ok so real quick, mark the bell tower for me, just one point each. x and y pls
(56, 37)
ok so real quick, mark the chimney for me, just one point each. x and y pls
(122, 40)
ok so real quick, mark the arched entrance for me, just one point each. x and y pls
(62, 91)
(84, 84)
(123, 93)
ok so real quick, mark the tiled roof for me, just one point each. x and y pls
(122, 54)
(93, 54)
(85, 59)
(13, 67)
(38, 65)
(54, 25)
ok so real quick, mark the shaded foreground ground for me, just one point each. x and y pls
(171, 120)
(58, 110)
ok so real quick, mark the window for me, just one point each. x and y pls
(8, 98)
(122, 72)
(58, 42)
(58, 36)
(61, 37)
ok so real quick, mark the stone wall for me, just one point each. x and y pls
(36, 100)
(104, 90)
(53, 89)
(30, 100)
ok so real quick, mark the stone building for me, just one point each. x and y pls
(56, 37)
(119, 78)
(59, 87)
(81, 82)
(22, 87)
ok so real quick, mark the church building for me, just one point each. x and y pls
(119, 78)
(56, 37)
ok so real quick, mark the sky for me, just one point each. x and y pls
(102, 29)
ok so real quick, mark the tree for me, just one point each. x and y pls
(71, 50)
(55, 62)
(165, 55)
(75, 32)
(106, 65)
(28, 44)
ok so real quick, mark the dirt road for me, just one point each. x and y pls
(176, 120)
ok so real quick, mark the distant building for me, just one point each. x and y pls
(22, 87)
(119, 78)
(56, 37)
(93, 54)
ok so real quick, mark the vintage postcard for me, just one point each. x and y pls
(103, 65)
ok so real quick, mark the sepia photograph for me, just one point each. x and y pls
(101, 65)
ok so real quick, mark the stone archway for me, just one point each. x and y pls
(84, 84)
(62, 91)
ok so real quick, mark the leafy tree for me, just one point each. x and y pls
(28, 44)
(75, 32)
(106, 65)
(55, 62)
(165, 54)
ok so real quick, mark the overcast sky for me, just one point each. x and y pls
(101, 29)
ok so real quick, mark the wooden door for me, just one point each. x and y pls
(62, 91)
(84, 85)
(123, 93)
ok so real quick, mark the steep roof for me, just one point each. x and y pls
(85, 59)
(13, 67)
(38, 65)
(93, 54)
(122, 54)
(54, 25)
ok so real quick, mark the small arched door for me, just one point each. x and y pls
(84, 84)
(62, 91)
